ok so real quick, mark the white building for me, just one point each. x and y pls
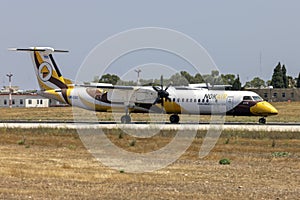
(24, 100)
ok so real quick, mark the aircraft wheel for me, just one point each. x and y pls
(125, 119)
(262, 120)
(174, 119)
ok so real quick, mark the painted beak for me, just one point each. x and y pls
(263, 108)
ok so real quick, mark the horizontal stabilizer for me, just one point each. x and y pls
(39, 49)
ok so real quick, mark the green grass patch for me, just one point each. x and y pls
(280, 154)
(21, 142)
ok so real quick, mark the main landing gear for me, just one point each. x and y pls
(125, 119)
(262, 120)
(174, 119)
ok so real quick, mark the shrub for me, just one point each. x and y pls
(273, 143)
(21, 142)
(224, 161)
(227, 141)
(132, 143)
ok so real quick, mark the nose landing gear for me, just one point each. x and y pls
(262, 120)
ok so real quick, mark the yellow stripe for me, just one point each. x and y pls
(55, 95)
(50, 91)
(172, 107)
(39, 58)
(43, 85)
(69, 90)
(68, 82)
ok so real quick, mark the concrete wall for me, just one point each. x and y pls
(278, 94)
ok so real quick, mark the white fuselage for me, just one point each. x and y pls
(140, 99)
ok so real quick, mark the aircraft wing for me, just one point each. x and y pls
(134, 94)
(120, 93)
(109, 86)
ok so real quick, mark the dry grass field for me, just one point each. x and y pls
(53, 163)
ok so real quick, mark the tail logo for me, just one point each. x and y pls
(45, 71)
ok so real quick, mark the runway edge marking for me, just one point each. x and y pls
(169, 127)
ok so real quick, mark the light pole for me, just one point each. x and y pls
(10, 90)
(138, 71)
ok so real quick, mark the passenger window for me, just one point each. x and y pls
(182, 100)
(199, 100)
(178, 100)
(173, 99)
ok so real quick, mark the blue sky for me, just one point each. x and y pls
(235, 33)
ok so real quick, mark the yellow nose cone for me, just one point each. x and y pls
(263, 108)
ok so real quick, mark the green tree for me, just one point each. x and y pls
(215, 73)
(198, 78)
(255, 83)
(178, 80)
(237, 84)
(298, 81)
(187, 76)
(284, 77)
(228, 79)
(109, 78)
(277, 80)
(213, 78)
(291, 82)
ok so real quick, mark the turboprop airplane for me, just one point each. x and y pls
(171, 100)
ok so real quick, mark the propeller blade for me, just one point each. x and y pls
(162, 82)
(168, 86)
(156, 100)
(162, 94)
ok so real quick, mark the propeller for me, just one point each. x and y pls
(162, 94)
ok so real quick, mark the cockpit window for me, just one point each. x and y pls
(257, 98)
(247, 98)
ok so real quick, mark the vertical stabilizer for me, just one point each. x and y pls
(47, 72)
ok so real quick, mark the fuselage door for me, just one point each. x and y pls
(229, 103)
